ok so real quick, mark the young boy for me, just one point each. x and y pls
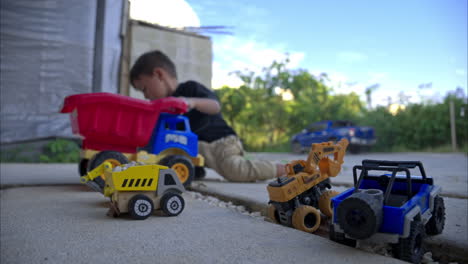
(155, 75)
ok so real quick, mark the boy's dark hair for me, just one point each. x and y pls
(146, 63)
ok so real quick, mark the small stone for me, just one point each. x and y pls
(427, 258)
(240, 208)
(256, 214)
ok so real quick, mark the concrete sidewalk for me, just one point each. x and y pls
(72, 220)
(68, 224)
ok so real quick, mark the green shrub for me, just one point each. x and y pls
(60, 151)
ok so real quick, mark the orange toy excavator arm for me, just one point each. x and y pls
(318, 157)
(334, 166)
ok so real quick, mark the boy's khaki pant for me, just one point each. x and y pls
(226, 156)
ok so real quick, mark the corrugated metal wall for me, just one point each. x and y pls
(47, 53)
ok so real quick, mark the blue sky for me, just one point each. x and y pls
(397, 44)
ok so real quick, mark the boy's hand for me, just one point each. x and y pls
(189, 102)
(204, 105)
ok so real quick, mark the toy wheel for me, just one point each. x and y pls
(296, 147)
(83, 167)
(140, 207)
(306, 218)
(114, 157)
(182, 166)
(273, 214)
(340, 237)
(411, 248)
(200, 173)
(172, 204)
(360, 215)
(437, 221)
(325, 204)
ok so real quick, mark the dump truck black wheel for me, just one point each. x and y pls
(172, 204)
(437, 221)
(114, 157)
(140, 207)
(306, 218)
(411, 248)
(182, 166)
(340, 237)
(273, 214)
(200, 173)
(360, 215)
(83, 167)
(325, 204)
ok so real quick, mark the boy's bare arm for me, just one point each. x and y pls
(204, 105)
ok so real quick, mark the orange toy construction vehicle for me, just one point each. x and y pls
(295, 198)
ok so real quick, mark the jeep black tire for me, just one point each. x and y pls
(360, 215)
(306, 218)
(340, 237)
(411, 248)
(140, 207)
(437, 221)
(183, 167)
(114, 157)
(172, 204)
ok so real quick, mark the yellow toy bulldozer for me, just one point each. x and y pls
(295, 198)
(139, 189)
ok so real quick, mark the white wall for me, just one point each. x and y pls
(192, 54)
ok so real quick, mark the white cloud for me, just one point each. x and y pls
(351, 57)
(237, 54)
(163, 13)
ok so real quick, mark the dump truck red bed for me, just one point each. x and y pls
(115, 122)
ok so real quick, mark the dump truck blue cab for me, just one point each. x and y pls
(173, 131)
(394, 207)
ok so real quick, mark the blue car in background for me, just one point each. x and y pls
(358, 137)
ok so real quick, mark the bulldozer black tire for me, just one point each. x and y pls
(411, 249)
(183, 167)
(306, 218)
(360, 215)
(83, 167)
(172, 204)
(200, 172)
(436, 223)
(114, 157)
(140, 207)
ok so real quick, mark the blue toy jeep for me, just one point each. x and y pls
(389, 208)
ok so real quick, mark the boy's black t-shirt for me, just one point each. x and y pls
(208, 127)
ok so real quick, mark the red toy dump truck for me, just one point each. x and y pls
(115, 129)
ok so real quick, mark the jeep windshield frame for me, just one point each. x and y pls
(391, 166)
